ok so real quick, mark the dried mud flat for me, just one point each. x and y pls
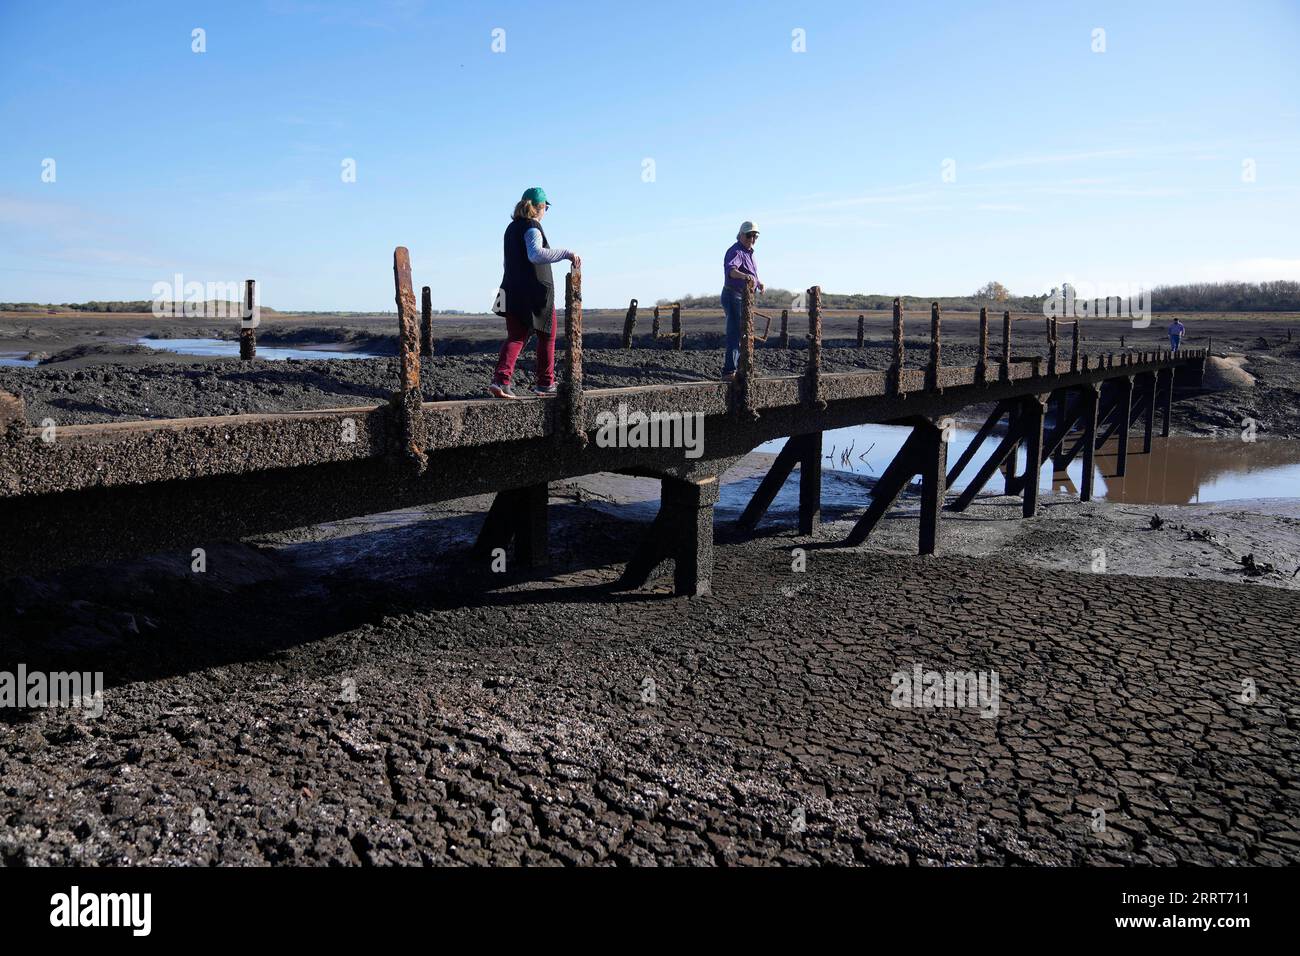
(354, 694)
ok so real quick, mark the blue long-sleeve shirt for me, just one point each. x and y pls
(539, 253)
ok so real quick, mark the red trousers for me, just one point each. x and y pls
(517, 334)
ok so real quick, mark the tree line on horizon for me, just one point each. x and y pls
(1282, 295)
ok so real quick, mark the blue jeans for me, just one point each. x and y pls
(1175, 340)
(732, 306)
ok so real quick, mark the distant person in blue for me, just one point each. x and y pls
(1176, 331)
(737, 269)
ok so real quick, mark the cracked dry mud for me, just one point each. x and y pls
(525, 704)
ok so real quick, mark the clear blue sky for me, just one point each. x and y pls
(1122, 166)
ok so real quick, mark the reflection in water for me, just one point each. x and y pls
(223, 347)
(1178, 470)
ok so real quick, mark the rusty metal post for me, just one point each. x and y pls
(936, 349)
(677, 326)
(1074, 346)
(815, 346)
(982, 364)
(862, 329)
(408, 398)
(785, 331)
(1006, 346)
(896, 364)
(572, 388)
(248, 334)
(426, 321)
(629, 323)
(1051, 345)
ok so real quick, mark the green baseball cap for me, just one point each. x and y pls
(536, 195)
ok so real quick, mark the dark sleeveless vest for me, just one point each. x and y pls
(528, 286)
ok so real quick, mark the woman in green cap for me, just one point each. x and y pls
(527, 295)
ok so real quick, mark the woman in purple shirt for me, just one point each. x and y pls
(737, 269)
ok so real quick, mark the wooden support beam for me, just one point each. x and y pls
(683, 533)
(810, 484)
(518, 517)
(1005, 449)
(678, 335)
(1074, 346)
(984, 431)
(1089, 395)
(933, 453)
(1123, 421)
(862, 329)
(791, 454)
(1008, 469)
(785, 329)
(1166, 399)
(925, 453)
(1150, 387)
(1032, 412)
(1051, 346)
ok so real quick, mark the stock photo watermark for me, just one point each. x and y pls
(919, 688)
(31, 690)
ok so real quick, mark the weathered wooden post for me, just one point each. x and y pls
(1032, 412)
(408, 398)
(571, 390)
(1074, 346)
(1006, 347)
(677, 326)
(934, 483)
(896, 363)
(426, 321)
(1051, 345)
(744, 404)
(862, 329)
(654, 324)
(248, 323)
(785, 331)
(936, 349)
(629, 323)
(815, 346)
(982, 364)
